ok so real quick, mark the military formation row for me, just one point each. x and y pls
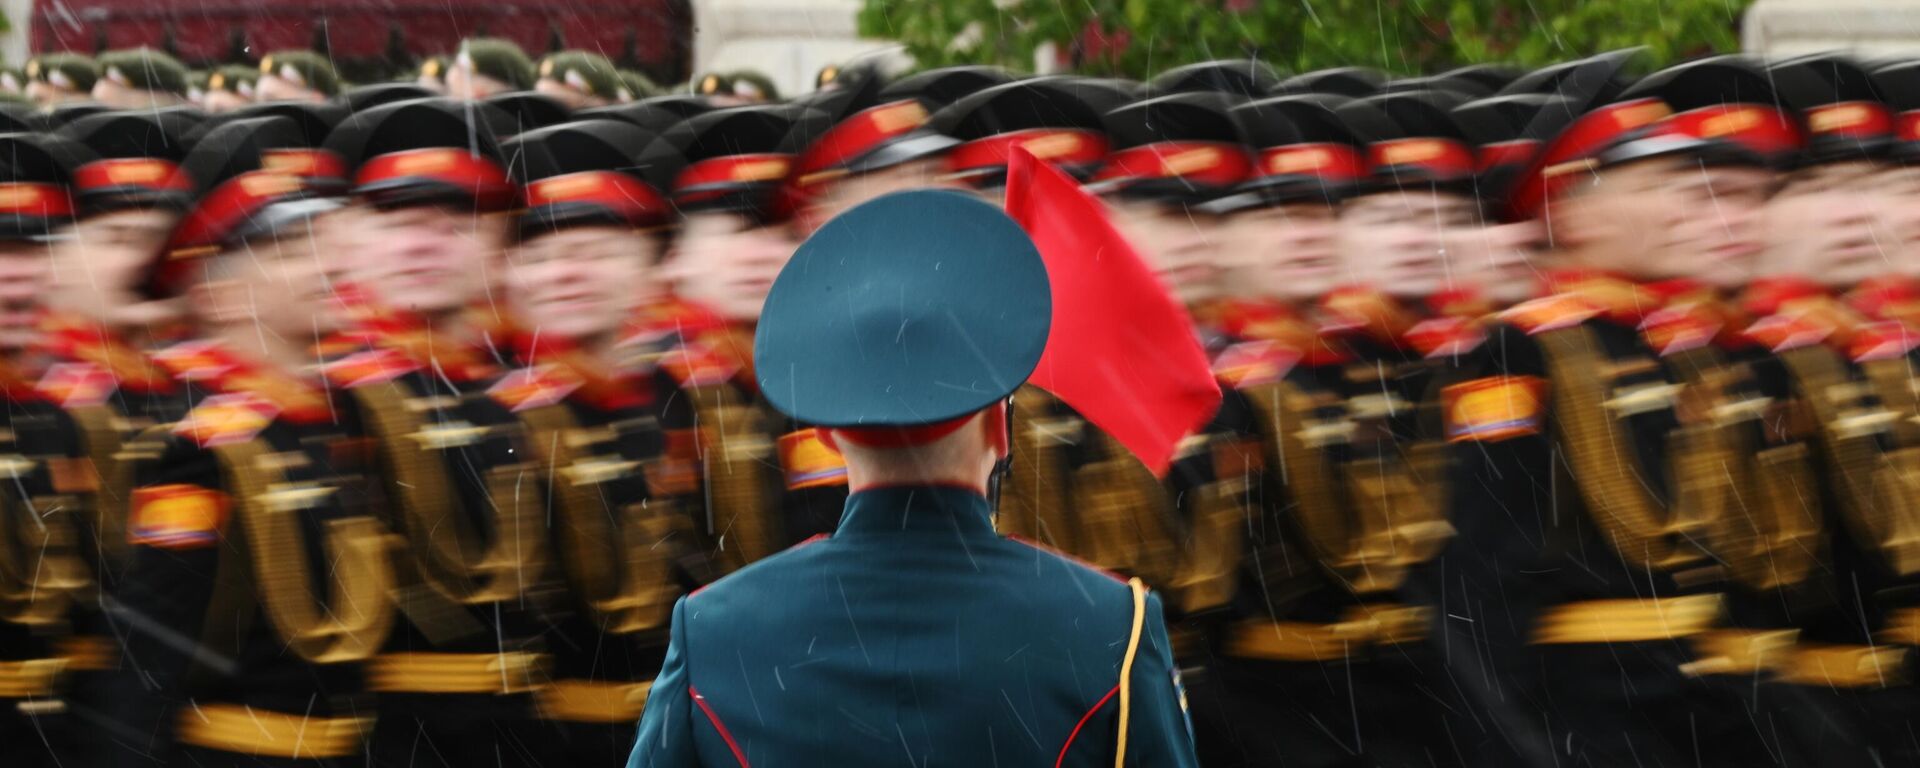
(1567, 420)
(144, 78)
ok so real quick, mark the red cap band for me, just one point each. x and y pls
(143, 172)
(480, 177)
(1328, 161)
(1909, 126)
(1205, 162)
(45, 201)
(856, 135)
(629, 198)
(903, 437)
(1054, 146)
(220, 211)
(1761, 129)
(1505, 153)
(1858, 119)
(305, 163)
(1572, 152)
(1444, 159)
(716, 176)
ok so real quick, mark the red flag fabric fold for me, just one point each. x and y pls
(1123, 352)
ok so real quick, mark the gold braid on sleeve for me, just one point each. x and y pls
(1033, 498)
(1877, 489)
(447, 553)
(737, 466)
(619, 562)
(1605, 471)
(351, 620)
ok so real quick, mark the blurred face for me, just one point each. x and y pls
(23, 284)
(219, 102)
(47, 94)
(464, 83)
(276, 88)
(427, 259)
(1497, 260)
(119, 96)
(1899, 190)
(581, 283)
(1396, 242)
(727, 263)
(1176, 242)
(431, 83)
(1282, 252)
(96, 270)
(572, 97)
(1825, 224)
(1631, 218)
(853, 189)
(276, 281)
(1721, 247)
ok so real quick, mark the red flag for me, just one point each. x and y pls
(1123, 352)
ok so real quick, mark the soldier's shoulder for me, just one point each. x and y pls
(768, 576)
(224, 420)
(1562, 310)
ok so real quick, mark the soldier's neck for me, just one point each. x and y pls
(253, 341)
(456, 326)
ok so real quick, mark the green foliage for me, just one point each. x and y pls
(1136, 38)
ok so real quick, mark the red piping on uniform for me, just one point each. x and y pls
(728, 737)
(1070, 737)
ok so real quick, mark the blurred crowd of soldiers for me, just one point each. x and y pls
(1569, 416)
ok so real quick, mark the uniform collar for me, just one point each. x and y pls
(901, 508)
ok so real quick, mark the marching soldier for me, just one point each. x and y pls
(258, 581)
(1329, 392)
(457, 677)
(128, 193)
(141, 78)
(754, 86)
(611, 432)
(1829, 312)
(913, 590)
(60, 78)
(296, 76)
(1078, 489)
(770, 482)
(487, 67)
(229, 88)
(1590, 461)
(43, 572)
(579, 79)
